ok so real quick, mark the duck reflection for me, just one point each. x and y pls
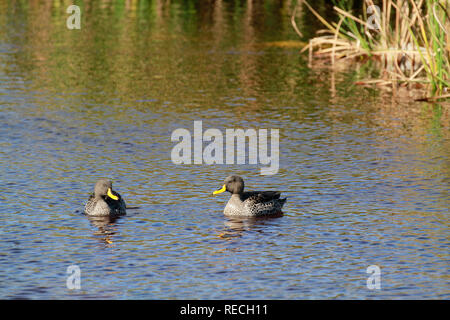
(237, 226)
(106, 227)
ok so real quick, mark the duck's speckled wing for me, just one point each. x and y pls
(261, 203)
(90, 204)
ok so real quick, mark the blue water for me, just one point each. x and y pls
(367, 178)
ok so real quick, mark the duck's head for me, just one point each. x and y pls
(232, 184)
(103, 189)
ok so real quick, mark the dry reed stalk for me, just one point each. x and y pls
(405, 41)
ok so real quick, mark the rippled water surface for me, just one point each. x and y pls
(366, 176)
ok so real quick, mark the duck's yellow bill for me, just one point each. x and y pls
(224, 188)
(111, 195)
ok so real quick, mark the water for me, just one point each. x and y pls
(366, 176)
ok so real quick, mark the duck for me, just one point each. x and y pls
(105, 201)
(251, 203)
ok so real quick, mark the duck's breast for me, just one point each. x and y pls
(100, 208)
(234, 207)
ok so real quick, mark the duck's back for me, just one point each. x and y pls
(255, 203)
(261, 196)
(264, 203)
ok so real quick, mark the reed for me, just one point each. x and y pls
(410, 39)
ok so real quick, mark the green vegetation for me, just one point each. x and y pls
(409, 38)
